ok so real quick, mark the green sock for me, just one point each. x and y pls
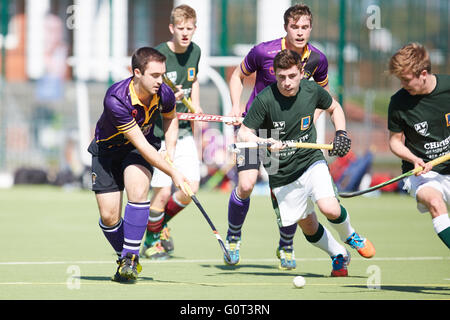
(445, 236)
(151, 238)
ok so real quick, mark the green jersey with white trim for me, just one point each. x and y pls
(425, 122)
(274, 115)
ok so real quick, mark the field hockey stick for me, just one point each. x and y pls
(207, 117)
(200, 207)
(185, 101)
(236, 147)
(434, 162)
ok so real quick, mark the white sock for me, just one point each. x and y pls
(343, 228)
(441, 223)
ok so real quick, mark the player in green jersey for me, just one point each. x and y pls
(284, 111)
(182, 62)
(419, 126)
(298, 23)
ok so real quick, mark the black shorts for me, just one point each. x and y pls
(248, 159)
(107, 170)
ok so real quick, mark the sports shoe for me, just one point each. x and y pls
(117, 277)
(232, 244)
(339, 264)
(166, 239)
(155, 252)
(287, 258)
(129, 267)
(364, 247)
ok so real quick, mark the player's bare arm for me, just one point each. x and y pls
(318, 111)
(236, 87)
(341, 142)
(170, 128)
(397, 146)
(195, 96)
(337, 115)
(152, 156)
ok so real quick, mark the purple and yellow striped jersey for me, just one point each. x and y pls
(260, 60)
(122, 111)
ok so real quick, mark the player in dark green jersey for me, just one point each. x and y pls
(419, 125)
(298, 178)
(182, 62)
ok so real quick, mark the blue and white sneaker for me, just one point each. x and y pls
(232, 245)
(287, 258)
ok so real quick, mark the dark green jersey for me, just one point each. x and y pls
(288, 119)
(182, 69)
(425, 122)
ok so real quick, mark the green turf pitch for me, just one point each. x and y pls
(52, 248)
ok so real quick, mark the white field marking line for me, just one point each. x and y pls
(222, 284)
(175, 260)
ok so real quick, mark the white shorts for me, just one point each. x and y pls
(295, 201)
(185, 160)
(430, 179)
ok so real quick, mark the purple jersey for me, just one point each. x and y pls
(260, 60)
(122, 111)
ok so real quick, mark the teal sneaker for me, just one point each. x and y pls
(364, 247)
(287, 258)
(232, 245)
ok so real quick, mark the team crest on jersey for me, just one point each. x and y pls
(306, 122)
(191, 74)
(447, 119)
(422, 128)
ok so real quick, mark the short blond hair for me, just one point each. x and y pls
(413, 58)
(181, 13)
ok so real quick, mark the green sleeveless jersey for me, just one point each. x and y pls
(425, 122)
(274, 115)
(182, 69)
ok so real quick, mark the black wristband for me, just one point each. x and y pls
(341, 133)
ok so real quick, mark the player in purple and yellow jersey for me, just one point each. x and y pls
(125, 153)
(298, 26)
